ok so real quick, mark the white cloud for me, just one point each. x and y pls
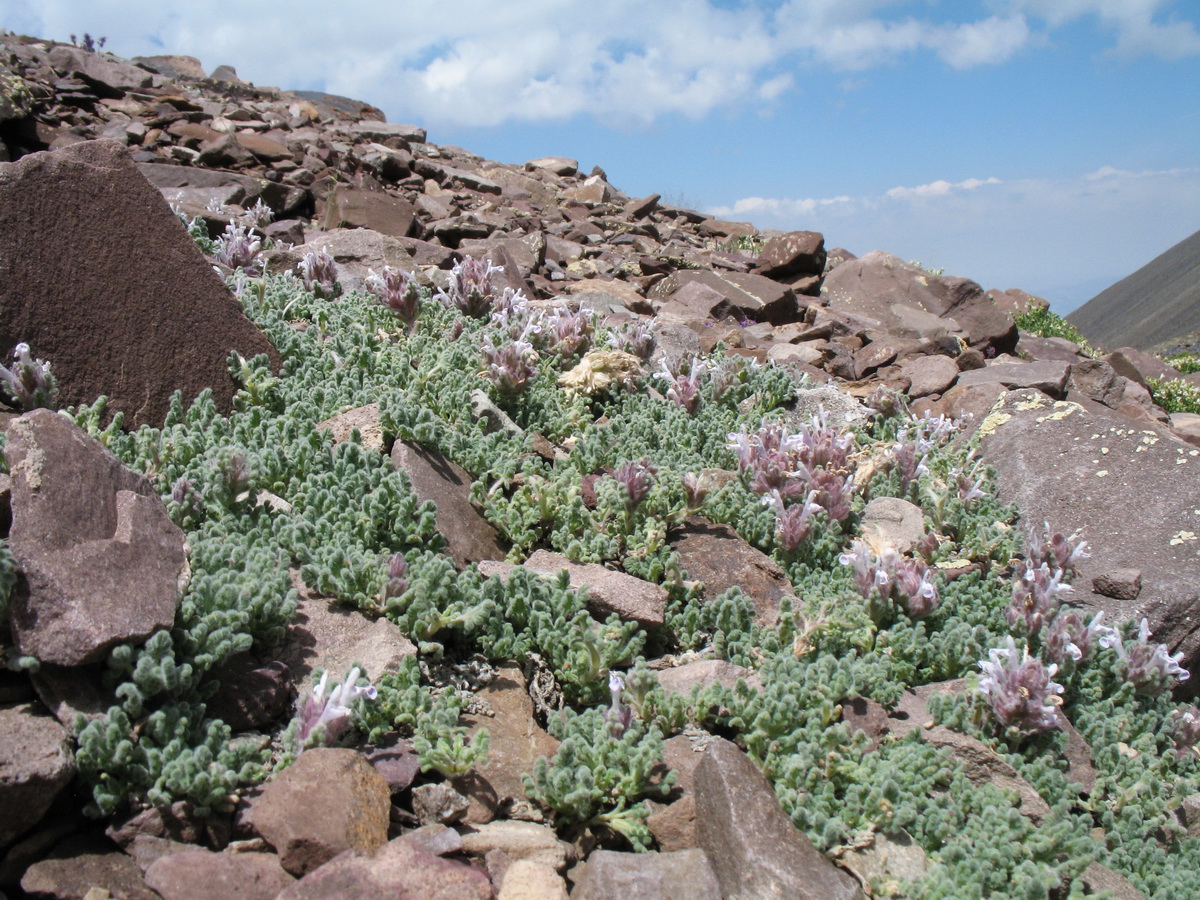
(624, 62)
(1064, 239)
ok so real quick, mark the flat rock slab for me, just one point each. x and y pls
(36, 763)
(82, 222)
(102, 560)
(719, 557)
(754, 848)
(74, 877)
(681, 875)
(353, 801)
(469, 536)
(1134, 489)
(203, 875)
(1048, 376)
(633, 599)
(399, 871)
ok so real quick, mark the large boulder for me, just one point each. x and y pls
(910, 301)
(98, 276)
(1134, 488)
(102, 561)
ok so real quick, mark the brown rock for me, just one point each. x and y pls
(264, 148)
(741, 295)
(702, 673)
(81, 222)
(354, 803)
(516, 741)
(910, 301)
(469, 536)
(1139, 366)
(107, 77)
(438, 804)
(1120, 584)
(36, 763)
(792, 255)
(717, 556)
(893, 521)
(365, 419)
(1015, 300)
(70, 874)
(204, 875)
(1096, 380)
(520, 840)
(373, 210)
(674, 826)
(929, 374)
(754, 848)
(399, 871)
(681, 875)
(529, 880)
(1049, 376)
(101, 559)
(1101, 878)
(1133, 486)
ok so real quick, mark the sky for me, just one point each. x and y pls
(1047, 145)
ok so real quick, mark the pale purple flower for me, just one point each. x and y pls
(1057, 551)
(398, 291)
(396, 583)
(619, 715)
(1149, 667)
(1068, 636)
(471, 289)
(510, 366)
(865, 566)
(1185, 730)
(1036, 593)
(330, 709)
(1020, 690)
(634, 337)
(683, 386)
(29, 383)
(568, 333)
(913, 588)
(793, 523)
(833, 493)
(319, 272)
(637, 478)
(238, 248)
(693, 490)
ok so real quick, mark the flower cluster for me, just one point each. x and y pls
(471, 290)
(1039, 580)
(794, 463)
(238, 248)
(1185, 730)
(29, 383)
(329, 710)
(1056, 551)
(683, 382)
(398, 291)
(619, 715)
(793, 523)
(319, 272)
(904, 580)
(635, 338)
(913, 443)
(510, 365)
(636, 478)
(566, 333)
(1020, 690)
(1148, 667)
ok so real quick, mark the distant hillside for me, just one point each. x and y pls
(1158, 302)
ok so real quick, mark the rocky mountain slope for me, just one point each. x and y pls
(430, 526)
(1158, 303)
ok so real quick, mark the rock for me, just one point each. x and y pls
(204, 875)
(516, 741)
(732, 294)
(705, 672)
(717, 556)
(75, 870)
(323, 636)
(674, 826)
(397, 763)
(251, 696)
(1096, 380)
(365, 419)
(753, 846)
(1139, 366)
(374, 210)
(399, 870)
(36, 763)
(1048, 376)
(793, 255)
(633, 599)
(107, 77)
(381, 131)
(354, 803)
(244, 190)
(1015, 300)
(681, 875)
(894, 522)
(520, 840)
(82, 222)
(356, 251)
(1189, 815)
(909, 301)
(264, 148)
(101, 559)
(1120, 584)
(890, 859)
(558, 165)
(1136, 489)
(438, 804)
(529, 880)
(172, 65)
(1101, 878)
(928, 374)
(469, 536)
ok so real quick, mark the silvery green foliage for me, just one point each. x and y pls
(351, 524)
(597, 779)
(28, 383)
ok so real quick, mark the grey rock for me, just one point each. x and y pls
(681, 875)
(929, 374)
(528, 880)
(890, 858)
(520, 840)
(705, 672)
(438, 804)
(1120, 584)
(36, 763)
(792, 255)
(894, 521)
(363, 418)
(1048, 376)
(753, 846)
(71, 873)
(102, 560)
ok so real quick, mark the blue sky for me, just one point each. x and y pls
(1052, 145)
